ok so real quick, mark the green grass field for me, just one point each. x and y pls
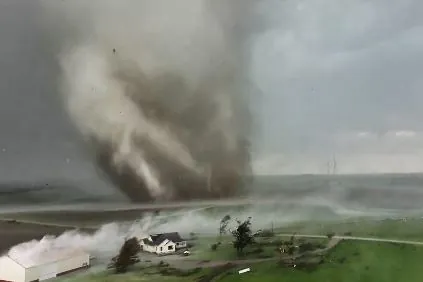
(364, 262)
(411, 229)
(349, 261)
(226, 251)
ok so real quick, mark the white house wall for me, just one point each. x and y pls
(11, 270)
(148, 248)
(182, 244)
(76, 262)
(163, 248)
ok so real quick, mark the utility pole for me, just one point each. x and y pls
(334, 165)
(209, 176)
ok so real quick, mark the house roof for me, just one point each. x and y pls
(147, 241)
(157, 239)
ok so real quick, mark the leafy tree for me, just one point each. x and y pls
(127, 255)
(291, 252)
(243, 235)
(223, 225)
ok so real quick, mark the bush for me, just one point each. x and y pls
(287, 243)
(214, 247)
(291, 250)
(342, 260)
(330, 235)
(307, 247)
(163, 264)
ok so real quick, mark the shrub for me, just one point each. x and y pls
(342, 260)
(214, 247)
(330, 235)
(163, 264)
(306, 247)
(286, 243)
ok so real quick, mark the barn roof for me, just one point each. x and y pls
(47, 256)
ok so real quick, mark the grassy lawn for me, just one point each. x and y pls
(266, 248)
(411, 229)
(138, 273)
(225, 251)
(348, 262)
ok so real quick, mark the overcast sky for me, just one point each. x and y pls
(339, 78)
(343, 78)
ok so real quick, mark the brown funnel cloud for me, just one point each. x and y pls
(160, 89)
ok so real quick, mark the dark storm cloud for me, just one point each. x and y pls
(37, 142)
(326, 69)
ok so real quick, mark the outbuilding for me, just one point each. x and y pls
(48, 265)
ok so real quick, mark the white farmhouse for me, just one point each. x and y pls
(162, 244)
(50, 264)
